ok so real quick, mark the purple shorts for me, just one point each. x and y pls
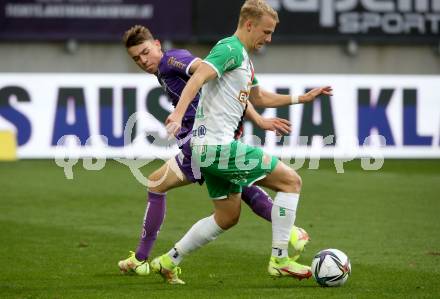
(183, 159)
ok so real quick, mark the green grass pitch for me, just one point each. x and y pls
(63, 238)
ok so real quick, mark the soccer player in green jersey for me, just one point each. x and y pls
(228, 79)
(173, 68)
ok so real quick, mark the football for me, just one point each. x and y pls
(331, 268)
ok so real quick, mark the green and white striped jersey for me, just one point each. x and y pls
(224, 99)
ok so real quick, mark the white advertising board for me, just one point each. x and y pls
(84, 115)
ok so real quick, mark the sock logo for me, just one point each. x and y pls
(176, 254)
(282, 212)
(278, 250)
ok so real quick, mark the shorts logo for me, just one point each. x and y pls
(240, 177)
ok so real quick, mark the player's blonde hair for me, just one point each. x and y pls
(136, 35)
(255, 9)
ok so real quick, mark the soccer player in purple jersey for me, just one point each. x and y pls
(173, 69)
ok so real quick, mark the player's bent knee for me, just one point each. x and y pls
(227, 221)
(234, 219)
(292, 182)
(227, 224)
(297, 182)
(156, 183)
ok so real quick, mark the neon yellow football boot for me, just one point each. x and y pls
(285, 266)
(298, 239)
(131, 265)
(164, 266)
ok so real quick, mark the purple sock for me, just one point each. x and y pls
(258, 200)
(153, 219)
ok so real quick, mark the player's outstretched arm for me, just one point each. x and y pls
(279, 125)
(263, 98)
(203, 74)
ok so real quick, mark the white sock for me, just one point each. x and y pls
(201, 233)
(175, 256)
(283, 217)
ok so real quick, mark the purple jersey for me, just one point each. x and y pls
(173, 73)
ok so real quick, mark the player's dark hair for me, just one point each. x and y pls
(136, 35)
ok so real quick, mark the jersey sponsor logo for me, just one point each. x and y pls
(172, 61)
(243, 96)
